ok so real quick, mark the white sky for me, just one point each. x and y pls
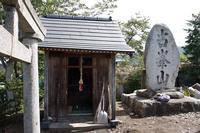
(173, 13)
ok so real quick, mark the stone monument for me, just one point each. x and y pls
(161, 59)
(160, 97)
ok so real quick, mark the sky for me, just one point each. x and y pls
(173, 13)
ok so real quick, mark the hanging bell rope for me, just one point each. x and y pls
(81, 75)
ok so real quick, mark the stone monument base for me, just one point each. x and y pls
(144, 107)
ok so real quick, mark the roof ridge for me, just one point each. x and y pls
(78, 17)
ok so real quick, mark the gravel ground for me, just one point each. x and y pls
(180, 123)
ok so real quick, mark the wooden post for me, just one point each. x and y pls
(113, 89)
(31, 90)
(46, 78)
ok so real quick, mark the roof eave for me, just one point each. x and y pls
(86, 50)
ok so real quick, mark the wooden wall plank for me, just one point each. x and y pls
(46, 85)
(57, 85)
(94, 84)
(102, 73)
(51, 103)
(102, 68)
(113, 88)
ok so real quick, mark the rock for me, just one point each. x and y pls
(174, 95)
(131, 114)
(120, 122)
(125, 97)
(162, 97)
(195, 93)
(161, 59)
(148, 93)
(196, 86)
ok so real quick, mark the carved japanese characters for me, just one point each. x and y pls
(161, 59)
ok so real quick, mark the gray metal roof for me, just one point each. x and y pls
(83, 33)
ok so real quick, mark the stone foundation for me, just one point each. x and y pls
(144, 107)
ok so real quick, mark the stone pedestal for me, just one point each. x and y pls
(144, 107)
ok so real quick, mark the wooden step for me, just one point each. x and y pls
(76, 126)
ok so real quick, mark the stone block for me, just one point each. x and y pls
(148, 93)
(174, 95)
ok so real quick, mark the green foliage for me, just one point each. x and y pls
(101, 7)
(129, 69)
(10, 104)
(133, 81)
(128, 78)
(73, 7)
(2, 14)
(183, 58)
(186, 91)
(193, 40)
(135, 31)
(41, 74)
(189, 75)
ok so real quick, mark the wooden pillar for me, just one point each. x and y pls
(113, 89)
(31, 89)
(46, 79)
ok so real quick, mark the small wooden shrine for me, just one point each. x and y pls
(79, 61)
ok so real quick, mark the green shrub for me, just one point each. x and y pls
(10, 105)
(189, 75)
(133, 81)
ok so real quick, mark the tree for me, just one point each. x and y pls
(193, 40)
(129, 70)
(189, 73)
(73, 7)
(183, 58)
(135, 31)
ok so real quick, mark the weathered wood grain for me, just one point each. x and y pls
(102, 68)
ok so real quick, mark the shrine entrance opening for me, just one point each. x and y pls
(80, 97)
